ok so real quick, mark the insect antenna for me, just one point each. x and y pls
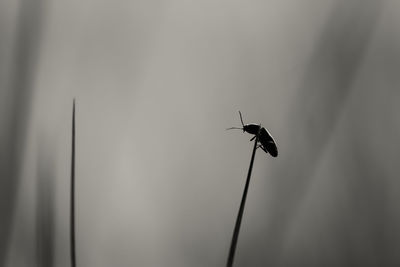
(241, 119)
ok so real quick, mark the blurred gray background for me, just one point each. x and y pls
(158, 179)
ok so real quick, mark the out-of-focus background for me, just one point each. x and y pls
(158, 179)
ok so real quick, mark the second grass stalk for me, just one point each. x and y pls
(72, 196)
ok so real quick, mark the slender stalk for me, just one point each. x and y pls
(72, 199)
(241, 208)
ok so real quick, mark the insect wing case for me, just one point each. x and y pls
(268, 143)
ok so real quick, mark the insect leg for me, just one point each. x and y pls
(257, 134)
(263, 149)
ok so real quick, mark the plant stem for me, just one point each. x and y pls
(72, 197)
(241, 209)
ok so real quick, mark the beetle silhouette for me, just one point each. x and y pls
(267, 142)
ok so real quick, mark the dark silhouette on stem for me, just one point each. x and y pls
(241, 208)
(72, 214)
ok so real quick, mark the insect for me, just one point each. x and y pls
(267, 143)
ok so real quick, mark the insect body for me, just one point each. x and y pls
(267, 143)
